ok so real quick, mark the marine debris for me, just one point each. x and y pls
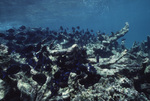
(39, 64)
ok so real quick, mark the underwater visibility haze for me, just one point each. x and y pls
(104, 15)
(74, 50)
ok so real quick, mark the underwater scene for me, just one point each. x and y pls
(74, 50)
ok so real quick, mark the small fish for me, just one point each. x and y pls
(37, 47)
(11, 31)
(73, 29)
(67, 28)
(29, 55)
(44, 49)
(112, 34)
(82, 31)
(63, 84)
(47, 68)
(87, 29)
(28, 49)
(57, 75)
(13, 69)
(65, 32)
(103, 33)
(19, 42)
(123, 39)
(78, 64)
(83, 68)
(97, 58)
(9, 37)
(39, 55)
(32, 62)
(39, 78)
(49, 61)
(61, 28)
(38, 66)
(25, 67)
(91, 68)
(55, 33)
(78, 27)
(22, 27)
(21, 38)
(2, 35)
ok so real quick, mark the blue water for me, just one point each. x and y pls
(104, 15)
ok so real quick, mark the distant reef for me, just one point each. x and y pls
(41, 64)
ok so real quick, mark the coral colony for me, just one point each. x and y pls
(40, 64)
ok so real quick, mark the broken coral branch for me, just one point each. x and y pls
(116, 36)
(112, 60)
(72, 49)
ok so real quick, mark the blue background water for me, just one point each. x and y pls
(104, 15)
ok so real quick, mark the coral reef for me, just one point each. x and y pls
(38, 64)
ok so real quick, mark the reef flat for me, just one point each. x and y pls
(40, 64)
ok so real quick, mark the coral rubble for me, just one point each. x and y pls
(38, 64)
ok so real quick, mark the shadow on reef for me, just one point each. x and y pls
(39, 64)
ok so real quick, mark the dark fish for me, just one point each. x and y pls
(65, 32)
(22, 34)
(29, 55)
(91, 68)
(48, 68)
(82, 31)
(61, 28)
(13, 69)
(73, 29)
(44, 49)
(78, 27)
(21, 38)
(51, 44)
(39, 78)
(62, 84)
(47, 28)
(54, 89)
(67, 28)
(55, 33)
(49, 61)
(2, 35)
(39, 31)
(11, 31)
(39, 55)
(57, 75)
(123, 39)
(28, 49)
(98, 31)
(60, 37)
(87, 30)
(19, 42)
(112, 34)
(22, 27)
(44, 60)
(97, 58)
(32, 62)
(25, 67)
(83, 68)
(10, 37)
(38, 47)
(148, 39)
(92, 30)
(37, 67)
(117, 32)
(103, 33)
